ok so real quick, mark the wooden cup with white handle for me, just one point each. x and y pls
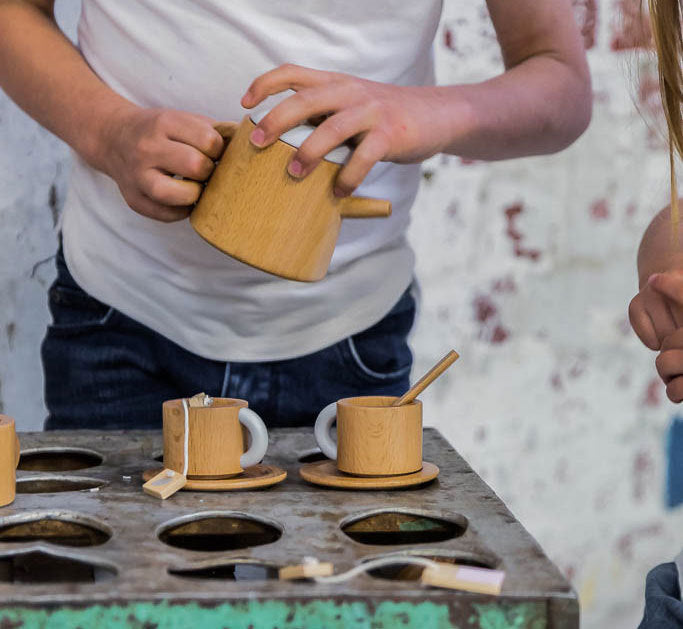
(9, 459)
(378, 435)
(374, 438)
(215, 442)
(253, 210)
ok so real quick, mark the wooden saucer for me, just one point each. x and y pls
(326, 473)
(253, 477)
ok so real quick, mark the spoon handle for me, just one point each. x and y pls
(427, 379)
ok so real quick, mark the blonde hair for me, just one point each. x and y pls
(665, 17)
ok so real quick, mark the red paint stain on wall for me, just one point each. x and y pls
(448, 39)
(586, 15)
(486, 314)
(504, 285)
(642, 470)
(631, 28)
(653, 393)
(627, 540)
(599, 210)
(484, 308)
(499, 335)
(511, 214)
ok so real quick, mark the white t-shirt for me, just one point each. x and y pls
(200, 57)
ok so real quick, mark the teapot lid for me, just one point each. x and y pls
(296, 137)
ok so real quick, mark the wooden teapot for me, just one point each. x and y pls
(254, 211)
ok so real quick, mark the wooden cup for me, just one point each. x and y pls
(9, 459)
(216, 441)
(253, 210)
(373, 437)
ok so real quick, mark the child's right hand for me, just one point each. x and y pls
(142, 149)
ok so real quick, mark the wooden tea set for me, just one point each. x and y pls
(378, 445)
(254, 211)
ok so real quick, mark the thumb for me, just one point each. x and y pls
(642, 323)
(670, 285)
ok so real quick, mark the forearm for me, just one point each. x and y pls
(657, 252)
(538, 106)
(49, 79)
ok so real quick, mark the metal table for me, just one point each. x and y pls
(105, 554)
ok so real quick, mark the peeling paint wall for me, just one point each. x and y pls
(526, 267)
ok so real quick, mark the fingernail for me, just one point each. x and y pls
(295, 168)
(338, 192)
(257, 137)
(652, 278)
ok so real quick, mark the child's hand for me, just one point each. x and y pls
(651, 317)
(144, 148)
(669, 365)
(657, 310)
(387, 122)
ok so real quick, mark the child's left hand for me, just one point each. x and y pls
(669, 365)
(663, 294)
(657, 310)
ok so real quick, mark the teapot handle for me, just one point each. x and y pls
(364, 207)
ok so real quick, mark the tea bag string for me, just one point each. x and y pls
(186, 442)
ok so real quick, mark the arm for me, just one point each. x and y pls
(47, 77)
(540, 104)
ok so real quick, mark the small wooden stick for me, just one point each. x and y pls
(164, 484)
(428, 378)
(467, 578)
(306, 570)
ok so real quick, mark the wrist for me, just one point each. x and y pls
(105, 125)
(454, 117)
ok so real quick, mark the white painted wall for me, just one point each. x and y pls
(554, 402)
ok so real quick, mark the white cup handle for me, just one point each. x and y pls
(323, 429)
(259, 437)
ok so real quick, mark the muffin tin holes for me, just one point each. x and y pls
(410, 572)
(220, 532)
(385, 528)
(56, 484)
(58, 459)
(235, 570)
(37, 567)
(59, 529)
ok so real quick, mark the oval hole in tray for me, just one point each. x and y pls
(62, 529)
(411, 572)
(234, 570)
(389, 527)
(35, 567)
(56, 484)
(215, 532)
(58, 459)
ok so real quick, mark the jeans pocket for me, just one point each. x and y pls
(381, 353)
(74, 311)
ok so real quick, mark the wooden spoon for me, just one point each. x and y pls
(427, 379)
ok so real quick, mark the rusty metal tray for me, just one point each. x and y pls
(105, 554)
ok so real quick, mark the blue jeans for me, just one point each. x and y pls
(105, 371)
(663, 606)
